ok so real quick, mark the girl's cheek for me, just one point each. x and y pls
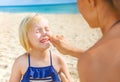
(37, 35)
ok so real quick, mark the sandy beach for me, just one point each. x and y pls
(72, 26)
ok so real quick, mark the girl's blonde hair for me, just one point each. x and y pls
(23, 32)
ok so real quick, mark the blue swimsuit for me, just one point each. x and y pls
(41, 74)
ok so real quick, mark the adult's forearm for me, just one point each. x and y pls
(75, 52)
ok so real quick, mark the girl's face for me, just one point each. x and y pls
(39, 26)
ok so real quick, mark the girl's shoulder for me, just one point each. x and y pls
(21, 61)
(58, 57)
(22, 58)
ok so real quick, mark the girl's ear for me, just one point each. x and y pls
(92, 3)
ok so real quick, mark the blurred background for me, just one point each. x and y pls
(64, 19)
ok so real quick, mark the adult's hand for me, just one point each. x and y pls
(64, 47)
(60, 43)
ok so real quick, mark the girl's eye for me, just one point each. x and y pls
(37, 31)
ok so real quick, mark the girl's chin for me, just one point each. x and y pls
(45, 45)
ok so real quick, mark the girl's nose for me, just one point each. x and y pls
(44, 33)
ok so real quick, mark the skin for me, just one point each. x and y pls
(100, 63)
(39, 53)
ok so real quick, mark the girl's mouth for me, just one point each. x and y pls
(45, 40)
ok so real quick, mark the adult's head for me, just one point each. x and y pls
(97, 12)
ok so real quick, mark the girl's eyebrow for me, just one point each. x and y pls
(36, 25)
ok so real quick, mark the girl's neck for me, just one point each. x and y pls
(39, 54)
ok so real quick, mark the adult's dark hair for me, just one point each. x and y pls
(115, 4)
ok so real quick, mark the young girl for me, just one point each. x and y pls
(38, 64)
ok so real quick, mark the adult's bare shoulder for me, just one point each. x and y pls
(101, 61)
(86, 67)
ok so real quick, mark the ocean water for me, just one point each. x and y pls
(48, 8)
(33, 2)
